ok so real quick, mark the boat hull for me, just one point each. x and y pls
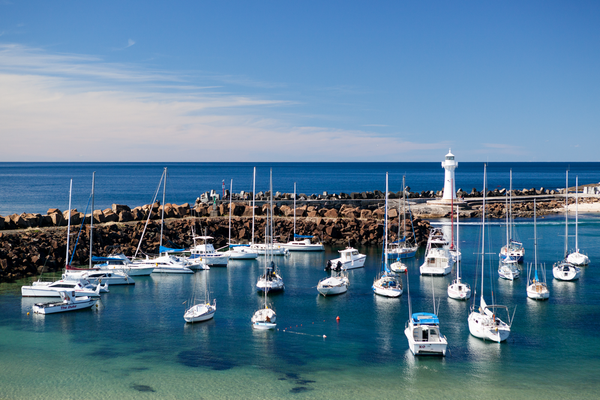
(479, 328)
(199, 313)
(563, 273)
(459, 291)
(421, 348)
(53, 308)
(578, 259)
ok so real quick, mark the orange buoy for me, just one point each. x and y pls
(338, 318)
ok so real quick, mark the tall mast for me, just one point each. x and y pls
(271, 221)
(69, 223)
(230, 197)
(451, 220)
(403, 211)
(253, 201)
(162, 218)
(483, 230)
(294, 211)
(535, 234)
(567, 216)
(457, 246)
(92, 218)
(576, 213)
(510, 211)
(385, 224)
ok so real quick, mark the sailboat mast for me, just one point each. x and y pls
(576, 213)
(271, 221)
(535, 234)
(451, 217)
(385, 226)
(458, 257)
(567, 216)
(253, 201)
(230, 205)
(69, 223)
(403, 211)
(162, 218)
(509, 228)
(483, 230)
(92, 218)
(294, 211)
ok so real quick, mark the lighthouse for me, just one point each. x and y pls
(449, 164)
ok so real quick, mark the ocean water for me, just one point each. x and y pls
(36, 187)
(136, 344)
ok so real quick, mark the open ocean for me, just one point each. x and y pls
(137, 345)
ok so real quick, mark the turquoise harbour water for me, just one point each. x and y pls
(136, 344)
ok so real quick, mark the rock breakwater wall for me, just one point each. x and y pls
(29, 252)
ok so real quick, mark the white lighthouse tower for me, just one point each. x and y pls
(449, 164)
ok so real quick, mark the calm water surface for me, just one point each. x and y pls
(136, 344)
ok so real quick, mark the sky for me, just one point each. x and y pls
(312, 81)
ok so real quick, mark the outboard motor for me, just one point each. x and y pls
(328, 266)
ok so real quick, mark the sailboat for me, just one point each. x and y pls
(259, 248)
(423, 330)
(513, 249)
(453, 251)
(166, 262)
(402, 248)
(335, 284)
(576, 257)
(458, 290)
(387, 283)
(483, 321)
(301, 242)
(237, 251)
(203, 311)
(264, 318)
(563, 270)
(270, 280)
(536, 288)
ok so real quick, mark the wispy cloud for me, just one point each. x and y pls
(60, 107)
(377, 125)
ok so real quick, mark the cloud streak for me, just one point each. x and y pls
(69, 107)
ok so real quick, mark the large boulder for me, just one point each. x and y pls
(117, 208)
(110, 216)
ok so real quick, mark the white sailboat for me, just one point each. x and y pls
(270, 280)
(264, 318)
(563, 270)
(260, 248)
(332, 285)
(402, 248)
(166, 262)
(202, 311)
(301, 242)
(423, 330)
(577, 258)
(238, 251)
(513, 250)
(458, 290)
(536, 287)
(483, 320)
(386, 283)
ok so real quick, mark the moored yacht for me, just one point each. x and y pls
(349, 258)
(53, 289)
(207, 253)
(166, 264)
(423, 333)
(437, 259)
(458, 290)
(565, 271)
(333, 285)
(119, 262)
(509, 269)
(70, 302)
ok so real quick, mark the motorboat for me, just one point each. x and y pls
(483, 320)
(577, 258)
(458, 290)
(509, 269)
(349, 258)
(333, 285)
(207, 253)
(437, 259)
(201, 312)
(52, 289)
(565, 271)
(423, 333)
(70, 302)
(398, 267)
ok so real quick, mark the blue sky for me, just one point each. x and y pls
(299, 80)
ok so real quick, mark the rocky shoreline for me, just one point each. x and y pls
(32, 243)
